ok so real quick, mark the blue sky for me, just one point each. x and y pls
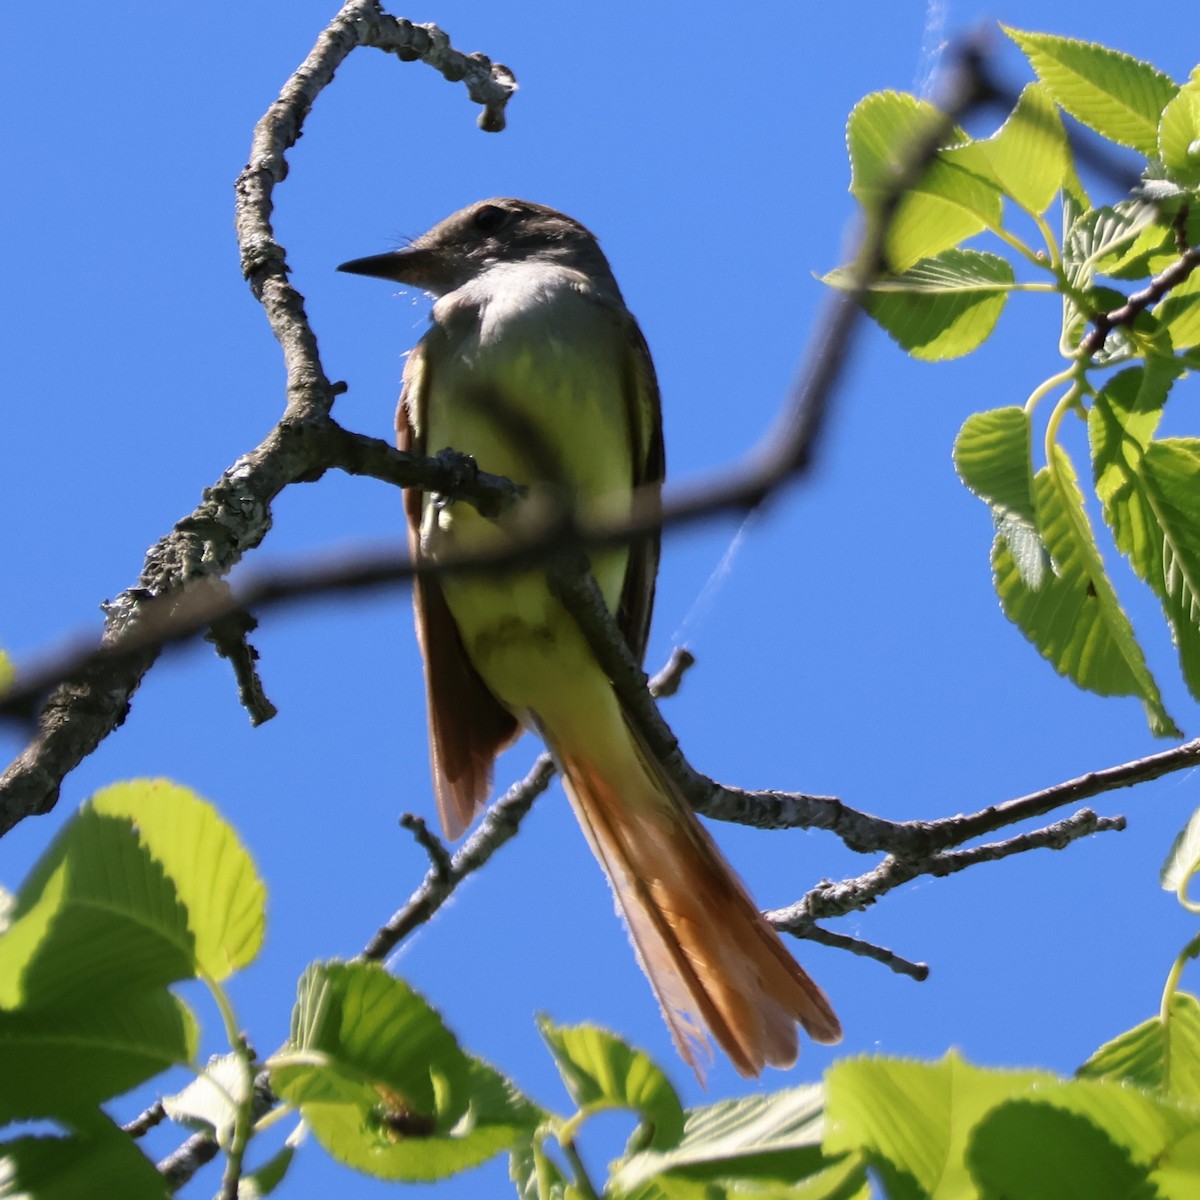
(852, 646)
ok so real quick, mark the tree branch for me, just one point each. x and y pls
(852, 945)
(234, 515)
(860, 892)
(1158, 287)
(499, 825)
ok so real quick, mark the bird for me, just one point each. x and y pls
(534, 366)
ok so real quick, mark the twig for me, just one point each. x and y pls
(229, 636)
(185, 1160)
(956, 830)
(666, 682)
(852, 945)
(146, 1120)
(488, 84)
(1104, 323)
(860, 892)
(1057, 836)
(498, 826)
(440, 865)
(234, 516)
(156, 619)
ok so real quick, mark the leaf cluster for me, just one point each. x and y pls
(147, 887)
(1125, 351)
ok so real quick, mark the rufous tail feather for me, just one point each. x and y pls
(715, 964)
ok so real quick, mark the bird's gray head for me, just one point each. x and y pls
(500, 230)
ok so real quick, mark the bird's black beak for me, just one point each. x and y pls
(410, 265)
(381, 266)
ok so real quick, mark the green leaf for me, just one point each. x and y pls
(943, 307)
(1159, 1136)
(598, 1068)
(1120, 97)
(992, 455)
(1179, 136)
(1183, 859)
(914, 1119)
(1092, 238)
(96, 1161)
(57, 1062)
(771, 1137)
(1154, 249)
(213, 873)
(1180, 313)
(98, 915)
(7, 672)
(145, 886)
(262, 1181)
(374, 1037)
(1120, 345)
(383, 1083)
(843, 1180)
(1155, 1056)
(535, 1174)
(210, 1103)
(1101, 238)
(1039, 1152)
(1073, 189)
(1074, 618)
(1027, 157)
(948, 1130)
(1148, 489)
(945, 206)
(1147, 254)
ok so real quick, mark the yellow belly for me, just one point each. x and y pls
(529, 412)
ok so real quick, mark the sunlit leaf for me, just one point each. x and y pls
(1157, 1135)
(1179, 136)
(1151, 501)
(942, 307)
(536, 1176)
(55, 1062)
(94, 1161)
(1094, 237)
(1154, 1055)
(212, 872)
(1183, 859)
(947, 1130)
(264, 1179)
(769, 1137)
(599, 1068)
(1120, 97)
(1074, 618)
(210, 1103)
(992, 455)
(97, 915)
(1027, 157)
(946, 205)
(384, 1085)
(914, 1119)
(1036, 1151)
(1101, 237)
(1179, 313)
(142, 888)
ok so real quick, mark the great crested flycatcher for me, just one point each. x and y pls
(534, 366)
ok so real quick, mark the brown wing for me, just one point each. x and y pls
(644, 409)
(468, 726)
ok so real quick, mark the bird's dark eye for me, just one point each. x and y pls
(489, 218)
